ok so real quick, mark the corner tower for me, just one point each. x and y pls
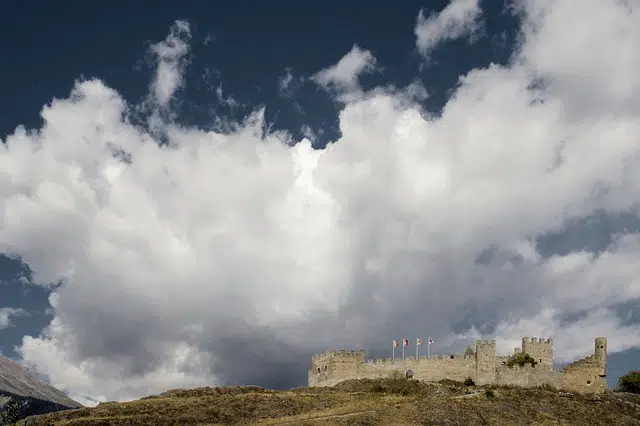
(601, 355)
(485, 362)
(334, 366)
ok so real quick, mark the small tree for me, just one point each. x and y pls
(521, 359)
(10, 413)
(630, 382)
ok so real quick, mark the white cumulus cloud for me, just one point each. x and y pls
(343, 77)
(170, 55)
(289, 83)
(6, 313)
(461, 18)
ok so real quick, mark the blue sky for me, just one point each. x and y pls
(331, 175)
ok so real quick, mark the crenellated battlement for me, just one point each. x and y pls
(422, 359)
(337, 354)
(484, 366)
(589, 360)
(537, 340)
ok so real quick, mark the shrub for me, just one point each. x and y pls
(490, 394)
(396, 374)
(548, 387)
(630, 382)
(521, 359)
(469, 382)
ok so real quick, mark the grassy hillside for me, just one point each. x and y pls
(361, 402)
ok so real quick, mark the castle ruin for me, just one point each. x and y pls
(587, 375)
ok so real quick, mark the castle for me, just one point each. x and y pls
(587, 375)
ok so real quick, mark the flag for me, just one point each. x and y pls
(405, 342)
(418, 342)
(430, 340)
(395, 343)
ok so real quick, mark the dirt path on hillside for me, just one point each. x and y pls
(332, 416)
(466, 395)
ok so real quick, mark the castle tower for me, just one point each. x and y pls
(485, 362)
(601, 355)
(334, 366)
(541, 350)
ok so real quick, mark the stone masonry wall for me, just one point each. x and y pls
(539, 377)
(516, 375)
(328, 370)
(432, 369)
(527, 376)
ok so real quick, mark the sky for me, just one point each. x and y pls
(195, 194)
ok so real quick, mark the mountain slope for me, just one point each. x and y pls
(18, 380)
(32, 395)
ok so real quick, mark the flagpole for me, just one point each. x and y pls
(403, 349)
(417, 346)
(429, 348)
(393, 354)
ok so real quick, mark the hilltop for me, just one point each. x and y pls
(361, 402)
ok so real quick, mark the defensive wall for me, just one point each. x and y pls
(587, 375)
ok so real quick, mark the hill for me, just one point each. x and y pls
(360, 402)
(30, 394)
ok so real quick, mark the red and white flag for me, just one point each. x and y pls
(405, 342)
(430, 340)
(418, 342)
(395, 343)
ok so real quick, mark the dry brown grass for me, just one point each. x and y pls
(360, 402)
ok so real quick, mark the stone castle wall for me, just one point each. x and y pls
(428, 369)
(483, 366)
(527, 376)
